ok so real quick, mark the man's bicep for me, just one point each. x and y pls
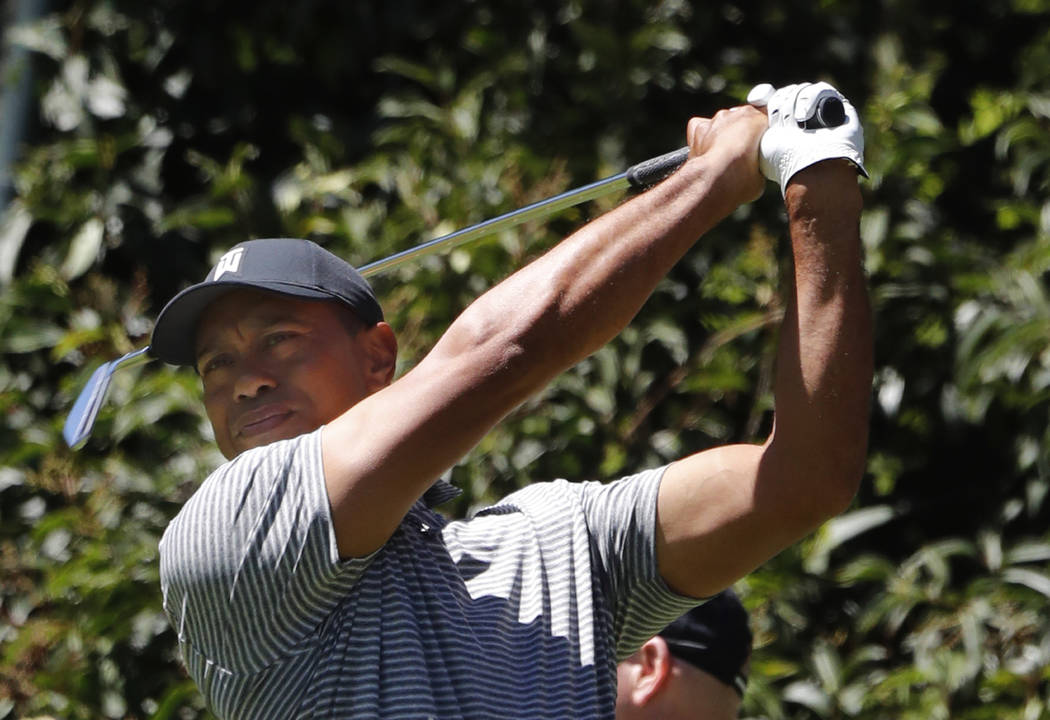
(723, 512)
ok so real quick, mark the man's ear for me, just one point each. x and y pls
(382, 355)
(655, 664)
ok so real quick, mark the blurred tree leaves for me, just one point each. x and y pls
(165, 132)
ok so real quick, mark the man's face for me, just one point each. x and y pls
(274, 367)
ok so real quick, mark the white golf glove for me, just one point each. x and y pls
(789, 146)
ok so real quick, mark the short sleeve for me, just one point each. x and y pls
(249, 567)
(621, 519)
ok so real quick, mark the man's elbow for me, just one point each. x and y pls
(841, 488)
(822, 482)
(843, 477)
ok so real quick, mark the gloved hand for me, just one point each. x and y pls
(787, 146)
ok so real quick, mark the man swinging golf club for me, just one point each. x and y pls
(310, 577)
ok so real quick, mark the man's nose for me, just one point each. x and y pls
(253, 379)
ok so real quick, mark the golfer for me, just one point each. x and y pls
(310, 576)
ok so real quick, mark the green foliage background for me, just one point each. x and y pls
(167, 131)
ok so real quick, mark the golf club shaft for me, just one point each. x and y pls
(637, 176)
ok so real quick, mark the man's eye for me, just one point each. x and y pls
(277, 338)
(215, 363)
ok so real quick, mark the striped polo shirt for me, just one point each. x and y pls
(521, 611)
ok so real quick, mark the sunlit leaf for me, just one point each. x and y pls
(83, 249)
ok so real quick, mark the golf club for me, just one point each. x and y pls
(85, 410)
(82, 417)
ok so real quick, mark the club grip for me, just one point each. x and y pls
(829, 113)
(651, 171)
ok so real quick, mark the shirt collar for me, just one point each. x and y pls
(439, 493)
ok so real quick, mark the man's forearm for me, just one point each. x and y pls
(824, 366)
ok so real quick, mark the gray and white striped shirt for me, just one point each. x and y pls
(521, 611)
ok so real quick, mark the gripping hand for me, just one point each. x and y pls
(797, 137)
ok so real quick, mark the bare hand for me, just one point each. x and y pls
(731, 140)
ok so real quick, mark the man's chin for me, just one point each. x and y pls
(286, 432)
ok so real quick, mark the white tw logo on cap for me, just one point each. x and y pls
(230, 262)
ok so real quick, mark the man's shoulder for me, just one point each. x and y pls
(548, 494)
(547, 501)
(545, 495)
(253, 470)
(276, 458)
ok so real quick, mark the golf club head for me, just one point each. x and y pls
(82, 417)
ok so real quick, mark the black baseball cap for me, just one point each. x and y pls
(298, 268)
(714, 637)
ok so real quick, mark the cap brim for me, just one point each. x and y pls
(174, 335)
